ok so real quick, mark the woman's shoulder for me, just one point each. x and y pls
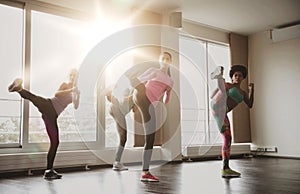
(64, 85)
(150, 70)
(228, 85)
(153, 69)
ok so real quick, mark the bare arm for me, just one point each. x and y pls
(63, 90)
(167, 95)
(249, 98)
(147, 75)
(76, 98)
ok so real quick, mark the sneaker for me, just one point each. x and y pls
(51, 174)
(148, 177)
(230, 173)
(117, 166)
(16, 85)
(218, 73)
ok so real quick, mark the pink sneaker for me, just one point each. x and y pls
(148, 177)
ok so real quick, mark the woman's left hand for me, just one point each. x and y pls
(251, 86)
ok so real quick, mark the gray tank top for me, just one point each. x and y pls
(61, 102)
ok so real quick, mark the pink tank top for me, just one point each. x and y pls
(156, 86)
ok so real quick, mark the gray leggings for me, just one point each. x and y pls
(120, 120)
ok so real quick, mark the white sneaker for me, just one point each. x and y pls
(218, 73)
(117, 166)
(16, 85)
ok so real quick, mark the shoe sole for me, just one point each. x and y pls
(117, 169)
(52, 178)
(15, 84)
(149, 180)
(216, 72)
(230, 176)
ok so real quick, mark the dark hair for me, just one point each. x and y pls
(167, 53)
(240, 68)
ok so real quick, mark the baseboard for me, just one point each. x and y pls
(80, 158)
(282, 157)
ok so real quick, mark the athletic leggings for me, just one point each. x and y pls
(49, 117)
(224, 128)
(219, 111)
(120, 120)
(149, 122)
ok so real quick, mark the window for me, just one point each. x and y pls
(56, 42)
(11, 55)
(197, 59)
(57, 45)
(217, 55)
(193, 90)
(115, 74)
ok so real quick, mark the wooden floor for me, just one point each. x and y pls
(259, 175)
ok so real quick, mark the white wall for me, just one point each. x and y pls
(275, 71)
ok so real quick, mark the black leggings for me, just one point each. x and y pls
(148, 114)
(49, 117)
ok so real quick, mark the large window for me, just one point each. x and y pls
(11, 55)
(193, 91)
(57, 45)
(217, 55)
(197, 59)
(115, 76)
(54, 43)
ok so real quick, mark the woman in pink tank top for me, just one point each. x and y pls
(150, 87)
(51, 108)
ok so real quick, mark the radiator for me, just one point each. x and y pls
(213, 151)
(35, 161)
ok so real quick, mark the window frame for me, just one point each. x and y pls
(67, 13)
(24, 145)
(19, 5)
(208, 140)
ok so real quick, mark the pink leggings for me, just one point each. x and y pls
(224, 127)
(227, 143)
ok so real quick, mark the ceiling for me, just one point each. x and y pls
(240, 16)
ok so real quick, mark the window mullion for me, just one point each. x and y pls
(27, 59)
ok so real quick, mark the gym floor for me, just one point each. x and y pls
(259, 175)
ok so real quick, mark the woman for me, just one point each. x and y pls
(150, 87)
(50, 110)
(118, 110)
(225, 98)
